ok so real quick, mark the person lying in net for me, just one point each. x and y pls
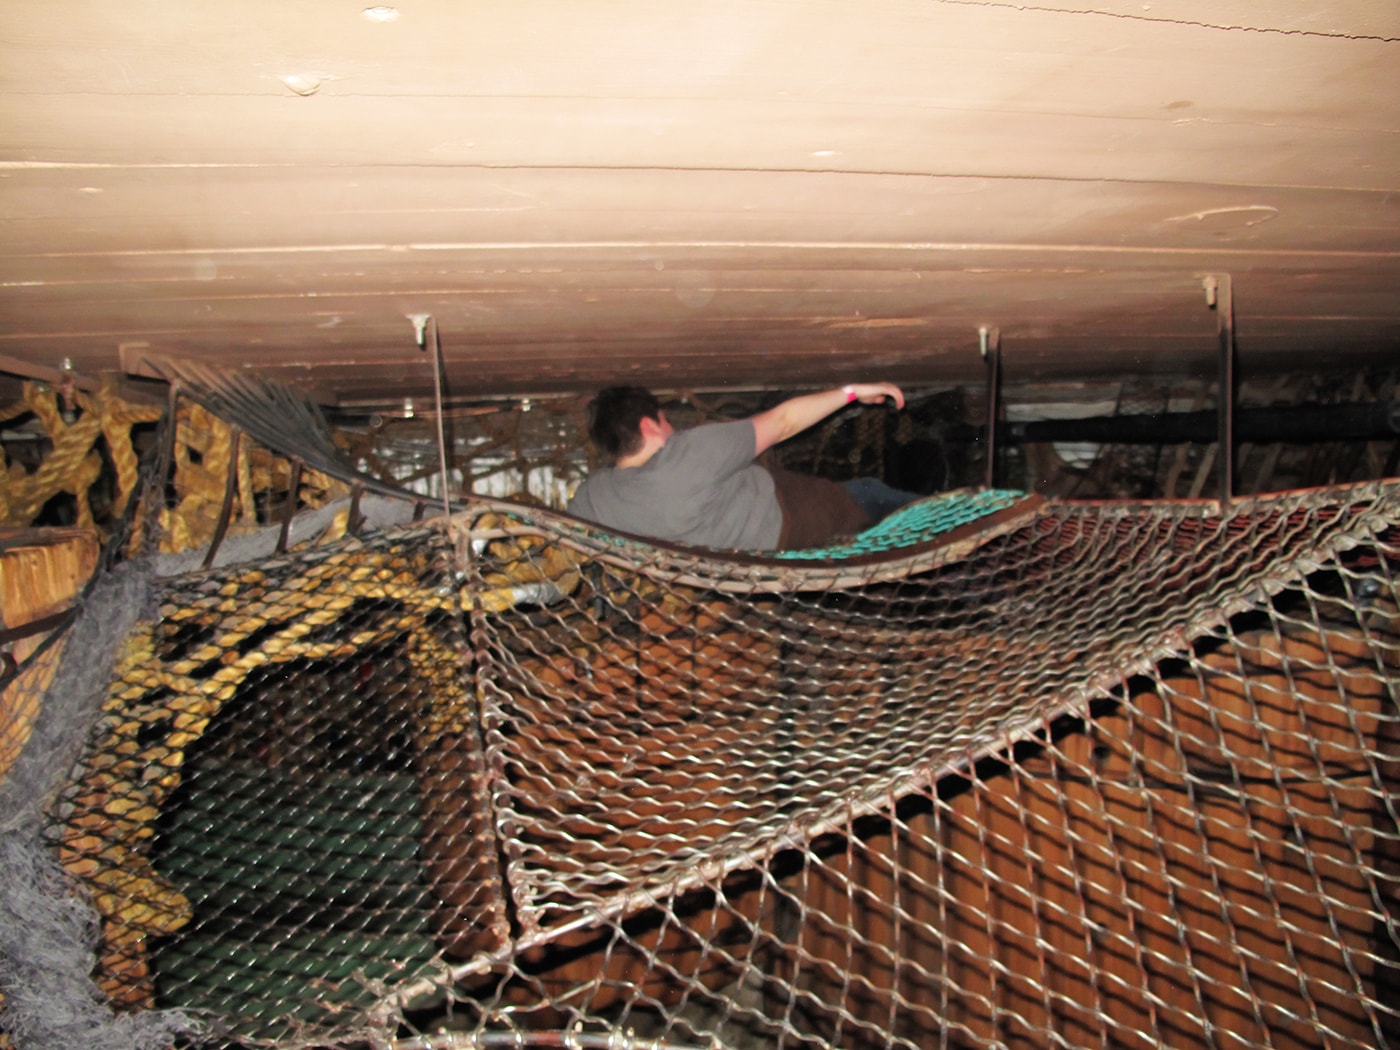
(702, 487)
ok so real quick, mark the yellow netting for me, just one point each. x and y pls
(92, 445)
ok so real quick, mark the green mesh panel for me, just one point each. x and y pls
(917, 523)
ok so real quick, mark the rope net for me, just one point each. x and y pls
(1029, 773)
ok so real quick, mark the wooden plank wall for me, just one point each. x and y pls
(40, 572)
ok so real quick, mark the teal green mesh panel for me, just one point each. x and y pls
(917, 523)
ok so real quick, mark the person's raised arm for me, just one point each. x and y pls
(796, 414)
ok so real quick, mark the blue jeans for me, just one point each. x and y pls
(876, 498)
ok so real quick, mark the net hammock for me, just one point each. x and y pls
(1103, 774)
(1019, 773)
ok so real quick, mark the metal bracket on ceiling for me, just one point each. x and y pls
(58, 378)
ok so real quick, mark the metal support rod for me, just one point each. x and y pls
(289, 511)
(230, 491)
(149, 523)
(990, 342)
(355, 520)
(437, 400)
(1220, 297)
(27, 630)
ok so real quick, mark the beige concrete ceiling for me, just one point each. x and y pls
(729, 193)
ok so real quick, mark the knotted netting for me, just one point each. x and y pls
(1032, 773)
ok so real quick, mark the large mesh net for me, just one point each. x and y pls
(1019, 773)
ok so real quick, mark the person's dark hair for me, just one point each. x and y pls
(615, 419)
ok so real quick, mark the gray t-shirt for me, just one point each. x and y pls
(701, 488)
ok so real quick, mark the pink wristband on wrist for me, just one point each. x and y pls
(850, 393)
